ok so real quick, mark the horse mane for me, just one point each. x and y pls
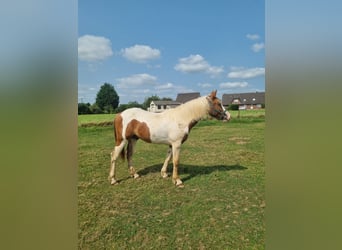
(191, 110)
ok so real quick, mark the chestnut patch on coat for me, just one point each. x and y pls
(190, 126)
(138, 129)
(118, 129)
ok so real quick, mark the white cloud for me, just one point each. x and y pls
(214, 71)
(192, 63)
(197, 64)
(243, 73)
(165, 86)
(205, 85)
(94, 48)
(86, 93)
(230, 85)
(138, 92)
(253, 37)
(258, 46)
(136, 80)
(172, 91)
(140, 53)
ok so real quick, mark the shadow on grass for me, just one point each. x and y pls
(191, 170)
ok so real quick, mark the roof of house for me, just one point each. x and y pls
(185, 97)
(244, 98)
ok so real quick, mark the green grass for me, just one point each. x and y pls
(221, 206)
(248, 113)
(95, 118)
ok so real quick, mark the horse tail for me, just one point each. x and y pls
(118, 134)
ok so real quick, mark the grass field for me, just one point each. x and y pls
(95, 118)
(221, 206)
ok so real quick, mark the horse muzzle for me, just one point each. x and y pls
(226, 116)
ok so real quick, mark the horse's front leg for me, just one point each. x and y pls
(175, 152)
(166, 163)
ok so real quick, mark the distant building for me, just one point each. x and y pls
(160, 106)
(255, 100)
(185, 97)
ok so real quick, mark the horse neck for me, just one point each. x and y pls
(193, 110)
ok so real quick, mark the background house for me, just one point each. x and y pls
(160, 106)
(185, 97)
(254, 100)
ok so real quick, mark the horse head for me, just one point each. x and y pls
(216, 108)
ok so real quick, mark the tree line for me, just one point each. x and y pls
(107, 102)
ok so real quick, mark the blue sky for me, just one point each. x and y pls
(162, 48)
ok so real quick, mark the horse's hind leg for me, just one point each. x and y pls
(130, 150)
(163, 172)
(114, 156)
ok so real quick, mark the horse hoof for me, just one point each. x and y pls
(164, 175)
(113, 182)
(178, 183)
(135, 176)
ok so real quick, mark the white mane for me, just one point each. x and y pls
(190, 111)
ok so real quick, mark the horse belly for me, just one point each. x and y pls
(166, 134)
(160, 133)
(160, 137)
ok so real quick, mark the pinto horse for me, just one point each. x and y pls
(170, 127)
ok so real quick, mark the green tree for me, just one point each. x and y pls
(166, 99)
(84, 108)
(148, 100)
(122, 107)
(94, 109)
(107, 99)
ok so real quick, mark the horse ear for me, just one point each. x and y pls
(213, 94)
